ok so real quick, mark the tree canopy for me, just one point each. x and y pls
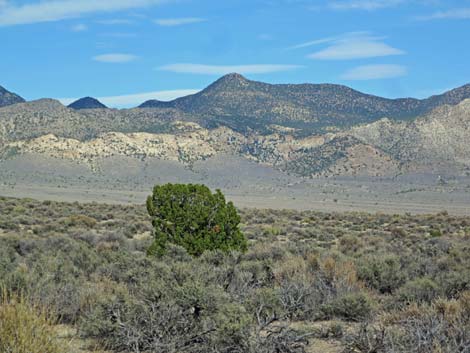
(191, 216)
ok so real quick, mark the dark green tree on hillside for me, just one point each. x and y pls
(191, 216)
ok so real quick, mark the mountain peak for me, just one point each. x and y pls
(87, 103)
(232, 80)
(233, 77)
(155, 103)
(8, 98)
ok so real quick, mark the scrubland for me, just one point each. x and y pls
(78, 278)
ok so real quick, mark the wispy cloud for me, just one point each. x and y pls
(132, 100)
(55, 10)
(118, 35)
(79, 27)
(355, 45)
(115, 21)
(170, 22)
(329, 39)
(375, 72)
(368, 5)
(115, 58)
(226, 69)
(453, 14)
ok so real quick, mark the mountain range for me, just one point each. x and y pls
(304, 130)
(242, 104)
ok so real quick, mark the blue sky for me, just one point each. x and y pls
(127, 51)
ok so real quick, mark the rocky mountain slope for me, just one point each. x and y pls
(87, 103)
(8, 98)
(281, 130)
(242, 104)
(436, 142)
(48, 116)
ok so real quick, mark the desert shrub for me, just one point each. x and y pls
(81, 220)
(454, 282)
(351, 307)
(193, 317)
(421, 290)
(192, 217)
(53, 283)
(266, 306)
(280, 338)
(314, 289)
(368, 339)
(383, 273)
(349, 244)
(443, 326)
(101, 280)
(177, 253)
(25, 327)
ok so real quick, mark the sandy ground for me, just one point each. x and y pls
(335, 202)
(247, 184)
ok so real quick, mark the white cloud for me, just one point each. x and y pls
(356, 45)
(375, 72)
(226, 69)
(133, 100)
(368, 5)
(169, 22)
(453, 14)
(55, 10)
(115, 58)
(79, 28)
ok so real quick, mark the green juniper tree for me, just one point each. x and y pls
(191, 216)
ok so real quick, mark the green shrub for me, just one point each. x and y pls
(191, 216)
(421, 290)
(382, 273)
(351, 307)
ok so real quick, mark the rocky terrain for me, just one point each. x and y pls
(297, 129)
(242, 104)
(8, 98)
(437, 141)
(433, 143)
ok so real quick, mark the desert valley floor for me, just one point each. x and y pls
(128, 180)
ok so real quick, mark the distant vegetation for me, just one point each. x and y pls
(348, 282)
(192, 217)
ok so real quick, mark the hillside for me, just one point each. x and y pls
(47, 116)
(436, 141)
(9, 98)
(433, 143)
(87, 103)
(242, 104)
(277, 126)
(234, 102)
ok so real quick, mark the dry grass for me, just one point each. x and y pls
(26, 328)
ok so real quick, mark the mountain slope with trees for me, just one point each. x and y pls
(9, 98)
